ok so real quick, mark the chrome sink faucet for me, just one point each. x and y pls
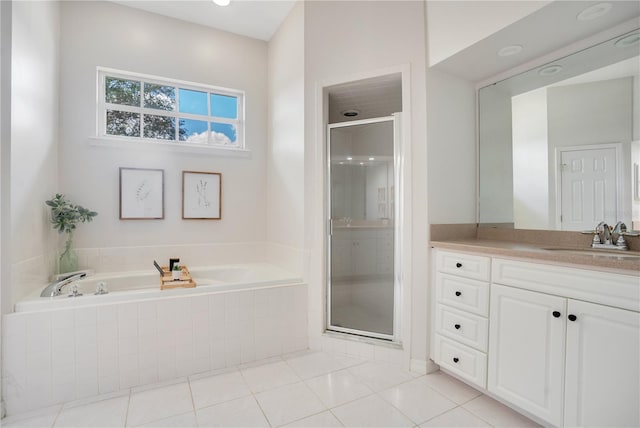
(55, 288)
(606, 238)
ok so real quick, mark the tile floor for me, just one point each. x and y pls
(310, 389)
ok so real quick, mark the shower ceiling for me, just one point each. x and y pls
(375, 97)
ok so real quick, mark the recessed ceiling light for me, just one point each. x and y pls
(361, 163)
(626, 41)
(341, 163)
(510, 50)
(372, 158)
(222, 2)
(595, 11)
(350, 113)
(550, 70)
(349, 158)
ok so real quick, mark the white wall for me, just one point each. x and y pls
(34, 141)
(452, 171)
(455, 25)
(106, 34)
(345, 40)
(285, 153)
(530, 165)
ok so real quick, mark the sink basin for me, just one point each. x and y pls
(618, 254)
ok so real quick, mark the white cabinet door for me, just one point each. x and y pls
(602, 384)
(526, 350)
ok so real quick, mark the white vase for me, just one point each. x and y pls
(176, 274)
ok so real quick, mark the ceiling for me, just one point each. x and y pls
(546, 30)
(258, 19)
(374, 97)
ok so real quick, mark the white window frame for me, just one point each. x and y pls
(103, 106)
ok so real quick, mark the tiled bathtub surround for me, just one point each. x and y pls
(118, 259)
(55, 356)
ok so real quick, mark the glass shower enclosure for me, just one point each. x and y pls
(362, 212)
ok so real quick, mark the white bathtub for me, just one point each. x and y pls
(139, 335)
(140, 285)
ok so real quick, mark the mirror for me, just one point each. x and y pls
(560, 144)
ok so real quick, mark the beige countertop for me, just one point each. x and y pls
(625, 262)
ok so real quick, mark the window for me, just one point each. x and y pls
(136, 106)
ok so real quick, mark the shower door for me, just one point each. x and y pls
(361, 259)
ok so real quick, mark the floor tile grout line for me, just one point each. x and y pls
(55, 419)
(475, 414)
(337, 418)
(400, 411)
(126, 415)
(253, 394)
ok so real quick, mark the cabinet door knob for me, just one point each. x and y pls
(456, 359)
(458, 293)
(556, 314)
(458, 265)
(572, 317)
(457, 326)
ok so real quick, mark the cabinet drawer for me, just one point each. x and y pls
(466, 328)
(463, 293)
(461, 360)
(466, 265)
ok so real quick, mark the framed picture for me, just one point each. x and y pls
(141, 194)
(201, 195)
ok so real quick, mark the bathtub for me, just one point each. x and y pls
(139, 335)
(140, 285)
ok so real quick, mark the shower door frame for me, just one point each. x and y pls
(395, 119)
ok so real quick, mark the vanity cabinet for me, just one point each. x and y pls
(462, 307)
(563, 342)
(565, 360)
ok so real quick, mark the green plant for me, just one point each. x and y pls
(176, 267)
(65, 215)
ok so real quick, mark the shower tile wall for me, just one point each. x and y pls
(61, 355)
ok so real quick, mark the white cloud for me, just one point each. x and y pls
(202, 138)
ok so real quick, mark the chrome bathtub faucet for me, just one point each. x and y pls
(55, 288)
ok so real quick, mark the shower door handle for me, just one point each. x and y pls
(330, 225)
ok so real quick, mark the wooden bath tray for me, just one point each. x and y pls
(167, 282)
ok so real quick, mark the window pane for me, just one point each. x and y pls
(193, 131)
(160, 97)
(193, 102)
(121, 91)
(161, 127)
(123, 123)
(224, 106)
(223, 133)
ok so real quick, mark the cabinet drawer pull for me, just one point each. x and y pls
(556, 314)
(572, 317)
(456, 359)
(458, 293)
(457, 326)
(458, 265)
